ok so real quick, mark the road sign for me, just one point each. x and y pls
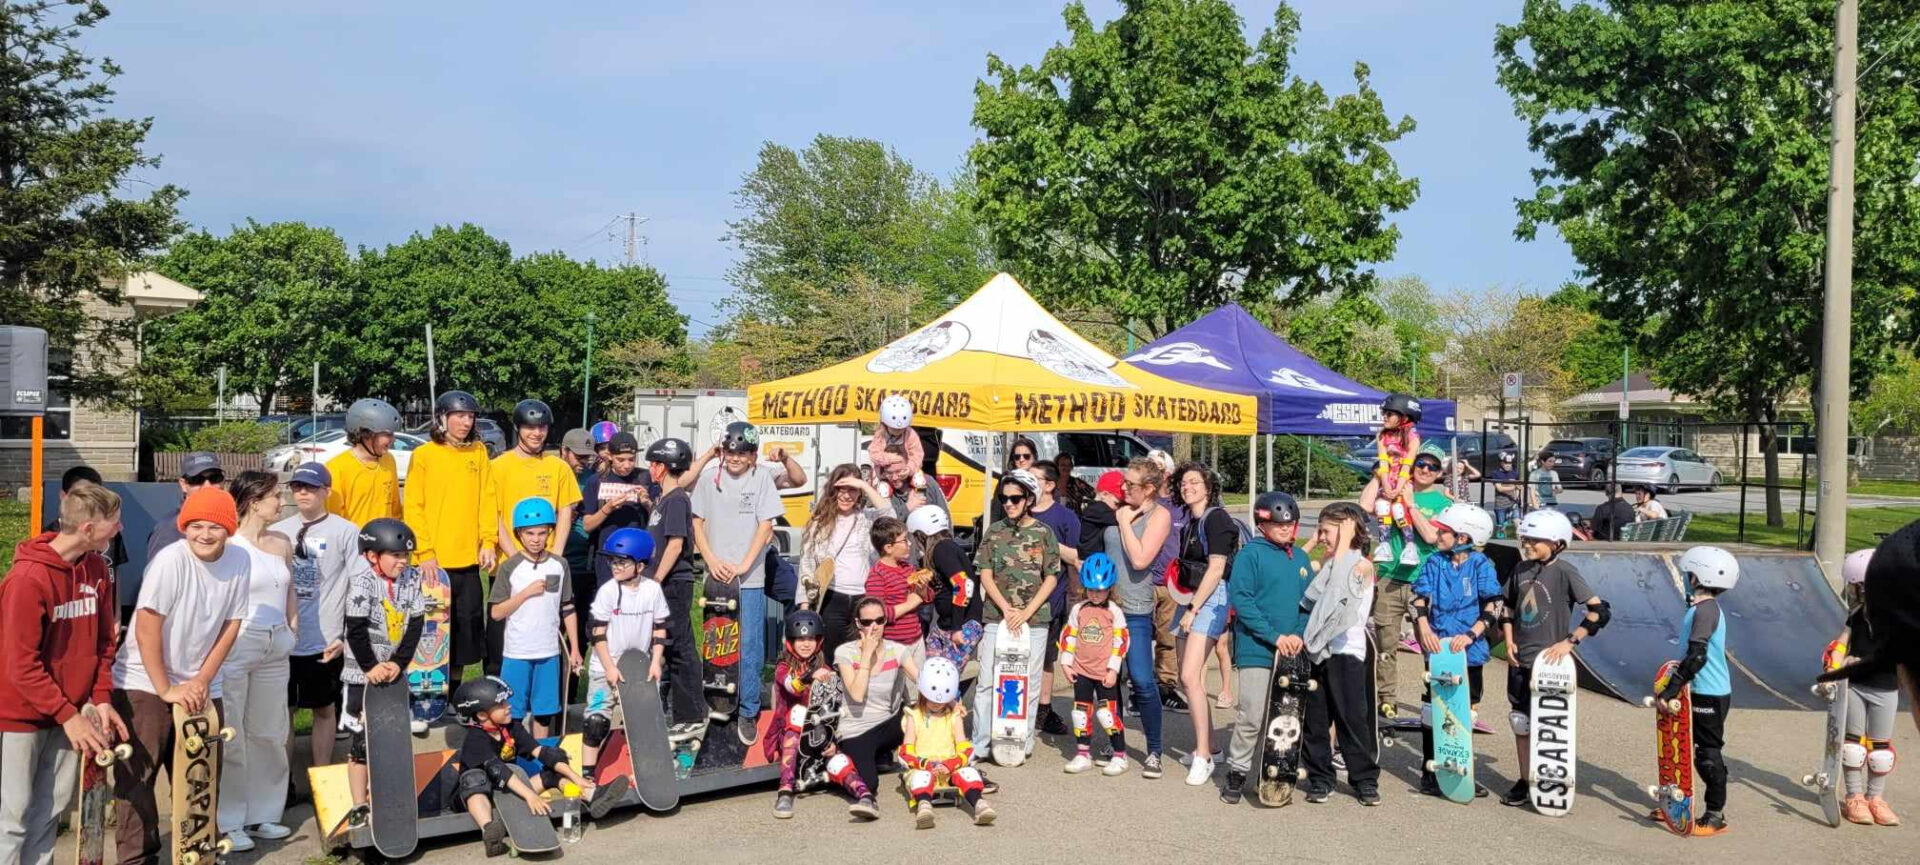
(1510, 385)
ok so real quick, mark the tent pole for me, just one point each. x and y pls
(1252, 458)
(1269, 438)
(1306, 449)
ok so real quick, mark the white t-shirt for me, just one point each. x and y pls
(850, 547)
(197, 599)
(533, 629)
(630, 610)
(1353, 641)
(266, 586)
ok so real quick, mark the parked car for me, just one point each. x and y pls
(295, 427)
(1668, 467)
(492, 434)
(327, 445)
(1581, 462)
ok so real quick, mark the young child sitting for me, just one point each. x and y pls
(895, 450)
(800, 666)
(485, 762)
(1093, 645)
(936, 744)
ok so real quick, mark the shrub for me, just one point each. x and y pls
(236, 437)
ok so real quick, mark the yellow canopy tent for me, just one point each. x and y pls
(999, 362)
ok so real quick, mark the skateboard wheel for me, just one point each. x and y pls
(189, 858)
(195, 744)
(224, 846)
(1431, 767)
(227, 734)
(1653, 792)
(1313, 685)
(1273, 771)
(1286, 682)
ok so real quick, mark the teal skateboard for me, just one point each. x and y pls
(1452, 763)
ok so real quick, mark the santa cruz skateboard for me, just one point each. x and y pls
(649, 756)
(1452, 714)
(196, 785)
(392, 795)
(1012, 718)
(1826, 781)
(1673, 752)
(1551, 762)
(526, 831)
(818, 731)
(720, 648)
(1286, 710)
(96, 792)
(427, 675)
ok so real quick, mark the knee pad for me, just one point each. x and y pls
(550, 757)
(1710, 764)
(1853, 755)
(1522, 725)
(498, 774)
(839, 768)
(967, 780)
(920, 783)
(595, 731)
(1382, 508)
(1881, 758)
(357, 746)
(1398, 512)
(797, 718)
(1109, 717)
(472, 782)
(1080, 713)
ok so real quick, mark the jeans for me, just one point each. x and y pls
(1146, 690)
(983, 696)
(753, 649)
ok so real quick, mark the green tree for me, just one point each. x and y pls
(1160, 166)
(272, 299)
(1385, 338)
(1592, 346)
(1497, 331)
(66, 232)
(1892, 405)
(1685, 150)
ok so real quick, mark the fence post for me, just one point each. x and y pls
(1743, 482)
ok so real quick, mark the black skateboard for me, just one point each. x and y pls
(526, 831)
(824, 701)
(720, 648)
(648, 752)
(1285, 716)
(392, 797)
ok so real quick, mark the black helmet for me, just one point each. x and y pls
(805, 623)
(453, 401)
(386, 535)
(479, 695)
(1276, 507)
(741, 437)
(675, 454)
(532, 412)
(1402, 405)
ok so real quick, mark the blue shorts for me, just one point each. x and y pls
(535, 684)
(1211, 621)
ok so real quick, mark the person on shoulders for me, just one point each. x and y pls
(1423, 500)
(1538, 621)
(366, 480)
(1271, 577)
(1456, 601)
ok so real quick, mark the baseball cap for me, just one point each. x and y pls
(313, 475)
(199, 463)
(1113, 484)
(623, 443)
(578, 441)
(1892, 606)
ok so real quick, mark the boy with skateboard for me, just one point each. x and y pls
(1456, 601)
(1093, 643)
(533, 595)
(629, 614)
(1270, 578)
(57, 625)
(1709, 572)
(1336, 643)
(485, 762)
(386, 612)
(1538, 622)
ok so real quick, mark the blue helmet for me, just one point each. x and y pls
(630, 543)
(533, 512)
(1097, 573)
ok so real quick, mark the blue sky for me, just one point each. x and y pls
(540, 122)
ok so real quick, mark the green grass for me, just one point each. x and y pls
(1863, 527)
(13, 529)
(1901, 489)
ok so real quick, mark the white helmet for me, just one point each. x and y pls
(1470, 520)
(940, 681)
(896, 412)
(1546, 525)
(1711, 567)
(928, 520)
(1024, 478)
(1853, 569)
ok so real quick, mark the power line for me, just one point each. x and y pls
(591, 234)
(1898, 43)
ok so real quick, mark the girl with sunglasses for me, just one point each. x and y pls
(872, 668)
(834, 551)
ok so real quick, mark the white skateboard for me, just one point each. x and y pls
(1551, 759)
(1012, 719)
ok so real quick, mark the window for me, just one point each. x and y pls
(1084, 448)
(59, 422)
(1121, 450)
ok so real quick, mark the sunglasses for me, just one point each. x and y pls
(868, 623)
(1014, 499)
(1432, 467)
(1023, 457)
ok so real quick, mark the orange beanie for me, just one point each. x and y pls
(212, 504)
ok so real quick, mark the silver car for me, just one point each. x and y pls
(1669, 468)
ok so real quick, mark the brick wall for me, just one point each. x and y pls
(1891, 458)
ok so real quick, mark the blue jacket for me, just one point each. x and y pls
(1456, 595)
(1268, 583)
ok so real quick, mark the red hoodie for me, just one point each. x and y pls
(56, 636)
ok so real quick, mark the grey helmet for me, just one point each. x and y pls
(371, 416)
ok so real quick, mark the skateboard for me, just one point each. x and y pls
(1012, 720)
(1673, 753)
(196, 785)
(1286, 711)
(1826, 781)
(392, 795)
(1379, 734)
(427, 675)
(96, 792)
(1452, 762)
(817, 735)
(648, 754)
(1552, 760)
(526, 831)
(720, 648)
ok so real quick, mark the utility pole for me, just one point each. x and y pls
(633, 221)
(1836, 332)
(586, 386)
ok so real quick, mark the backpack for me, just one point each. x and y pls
(1189, 573)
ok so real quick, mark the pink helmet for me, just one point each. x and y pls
(1853, 569)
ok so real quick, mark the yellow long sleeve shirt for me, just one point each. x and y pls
(451, 503)
(517, 476)
(362, 491)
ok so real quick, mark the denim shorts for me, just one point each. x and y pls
(1211, 621)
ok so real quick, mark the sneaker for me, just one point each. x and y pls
(988, 786)
(607, 795)
(1517, 796)
(1368, 794)
(983, 814)
(494, 837)
(1408, 555)
(356, 816)
(923, 816)
(1882, 812)
(1201, 770)
(1103, 755)
(1080, 763)
(1115, 766)
(783, 805)
(240, 840)
(1051, 723)
(1236, 784)
(1713, 823)
(1383, 552)
(1429, 785)
(1133, 707)
(1339, 761)
(864, 809)
(1856, 811)
(1480, 791)
(1172, 701)
(1187, 760)
(269, 831)
(1318, 795)
(1150, 766)
(419, 727)
(748, 731)
(1480, 726)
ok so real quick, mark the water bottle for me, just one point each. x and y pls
(572, 828)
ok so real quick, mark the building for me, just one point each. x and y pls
(105, 437)
(1659, 416)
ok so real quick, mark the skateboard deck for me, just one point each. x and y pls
(1673, 754)
(1826, 782)
(1377, 733)
(392, 795)
(720, 648)
(649, 756)
(526, 831)
(1012, 719)
(1287, 690)
(1452, 762)
(96, 793)
(1552, 760)
(818, 731)
(427, 674)
(197, 737)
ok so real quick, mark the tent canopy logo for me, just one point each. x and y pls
(1177, 353)
(1300, 381)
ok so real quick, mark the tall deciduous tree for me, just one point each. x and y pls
(1159, 166)
(66, 231)
(1685, 144)
(1498, 331)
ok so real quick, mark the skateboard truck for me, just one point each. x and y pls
(1817, 779)
(1449, 766)
(1672, 705)
(195, 743)
(1287, 682)
(1666, 793)
(112, 755)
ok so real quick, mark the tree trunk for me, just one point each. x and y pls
(266, 401)
(1770, 449)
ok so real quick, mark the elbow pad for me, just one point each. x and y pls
(1601, 613)
(1689, 667)
(1422, 608)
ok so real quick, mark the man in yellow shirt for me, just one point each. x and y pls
(450, 507)
(527, 471)
(366, 483)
